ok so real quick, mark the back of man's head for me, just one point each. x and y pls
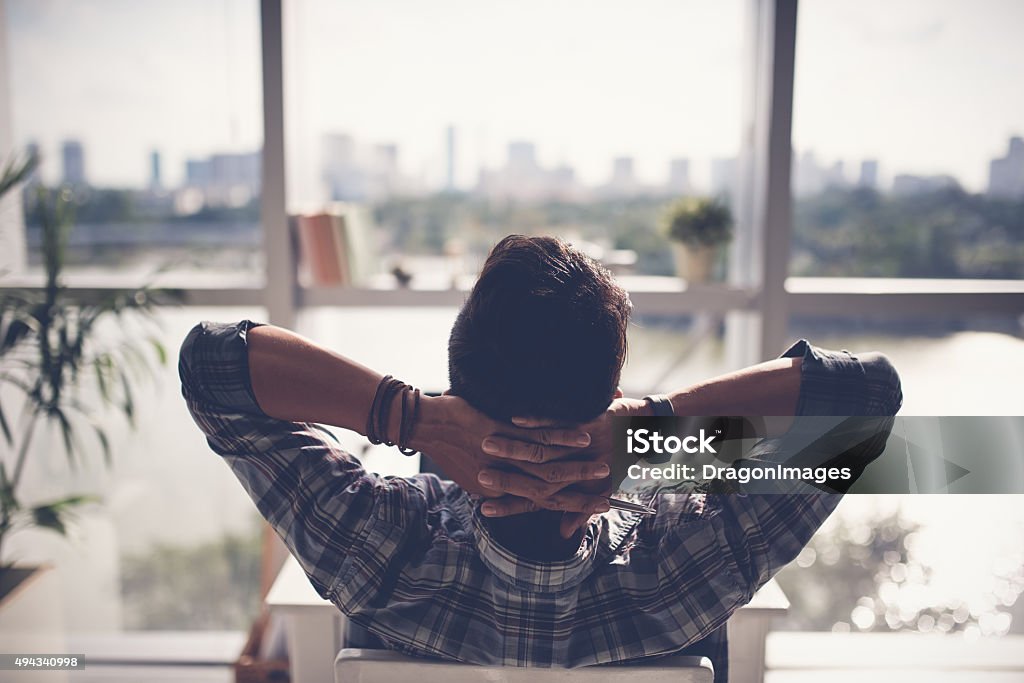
(542, 334)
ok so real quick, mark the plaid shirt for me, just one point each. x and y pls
(412, 561)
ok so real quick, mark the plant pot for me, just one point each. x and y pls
(694, 263)
(32, 619)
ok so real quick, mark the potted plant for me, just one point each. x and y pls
(61, 375)
(698, 227)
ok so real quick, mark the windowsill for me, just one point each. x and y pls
(900, 285)
(650, 294)
(159, 648)
(100, 279)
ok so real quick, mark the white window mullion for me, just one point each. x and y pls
(279, 289)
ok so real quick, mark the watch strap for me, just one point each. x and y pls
(660, 404)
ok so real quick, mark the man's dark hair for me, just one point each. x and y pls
(542, 334)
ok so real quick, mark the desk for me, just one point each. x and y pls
(748, 629)
(314, 628)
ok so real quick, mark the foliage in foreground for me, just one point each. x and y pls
(55, 359)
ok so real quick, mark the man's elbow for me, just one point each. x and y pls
(884, 391)
(186, 361)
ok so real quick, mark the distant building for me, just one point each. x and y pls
(355, 172)
(32, 149)
(808, 177)
(155, 179)
(523, 178)
(562, 182)
(868, 174)
(811, 177)
(835, 175)
(72, 158)
(623, 181)
(522, 158)
(678, 177)
(228, 179)
(908, 184)
(1006, 175)
(197, 172)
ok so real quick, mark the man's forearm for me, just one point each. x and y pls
(298, 380)
(767, 389)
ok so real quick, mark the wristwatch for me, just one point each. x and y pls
(660, 405)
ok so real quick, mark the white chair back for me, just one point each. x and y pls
(383, 666)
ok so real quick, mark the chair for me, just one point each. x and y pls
(383, 666)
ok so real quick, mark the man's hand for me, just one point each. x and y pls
(465, 442)
(546, 479)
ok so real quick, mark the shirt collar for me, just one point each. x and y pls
(602, 540)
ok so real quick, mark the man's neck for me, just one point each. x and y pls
(534, 535)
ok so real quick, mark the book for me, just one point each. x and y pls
(318, 261)
(335, 246)
(357, 229)
(342, 257)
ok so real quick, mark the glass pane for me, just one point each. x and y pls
(460, 122)
(667, 353)
(150, 114)
(949, 366)
(933, 564)
(907, 128)
(928, 564)
(174, 541)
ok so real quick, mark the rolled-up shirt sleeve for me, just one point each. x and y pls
(757, 534)
(319, 499)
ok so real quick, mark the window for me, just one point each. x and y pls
(917, 562)
(159, 145)
(159, 148)
(907, 125)
(460, 122)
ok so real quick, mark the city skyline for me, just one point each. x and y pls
(115, 75)
(352, 170)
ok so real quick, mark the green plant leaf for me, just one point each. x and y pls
(5, 427)
(48, 341)
(53, 515)
(8, 498)
(161, 350)
(48, 518)
(16, 172)
(101, 367)
(16, 331)
(104, 444)
(129, 402)
(66, 431)
(74, 500)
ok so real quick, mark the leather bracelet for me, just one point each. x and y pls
(371, 419)
(661, 405)
(379, 419)
(384, 410)
(409, 420)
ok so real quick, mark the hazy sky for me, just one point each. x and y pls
(925, 86)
